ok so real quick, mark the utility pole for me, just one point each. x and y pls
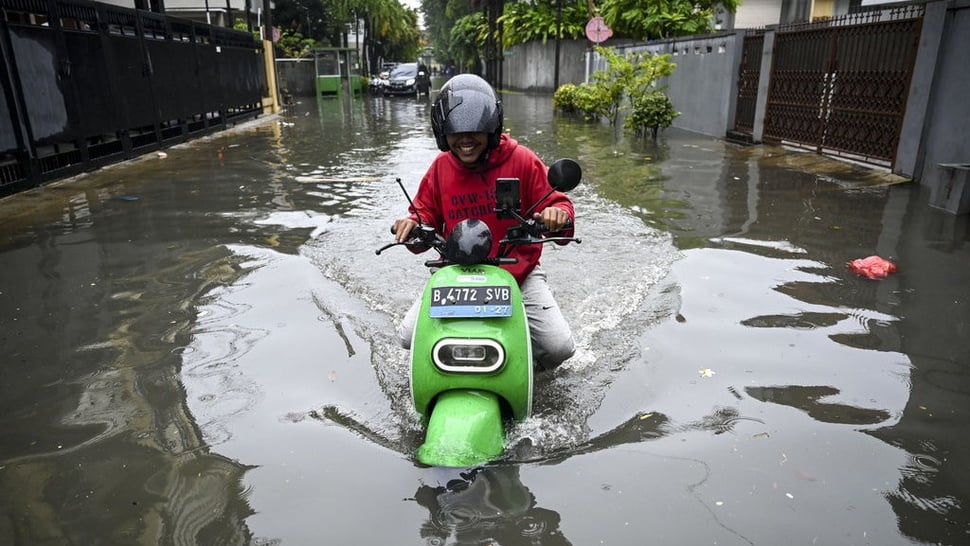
(267, 21)
(555, 84)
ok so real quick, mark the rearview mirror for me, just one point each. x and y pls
(565, 174)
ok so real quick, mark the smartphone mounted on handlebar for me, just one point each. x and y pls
(507, 197)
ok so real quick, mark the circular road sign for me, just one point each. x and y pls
(597, 31)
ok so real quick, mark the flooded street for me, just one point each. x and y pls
(200, 349)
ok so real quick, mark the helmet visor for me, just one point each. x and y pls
(467, 111)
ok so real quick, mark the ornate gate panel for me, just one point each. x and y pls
(841, 86)
(798, 86)
(748, 75)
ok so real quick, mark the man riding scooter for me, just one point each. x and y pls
(460, 184)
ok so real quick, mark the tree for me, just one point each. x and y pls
(651, 19)
(538, 20)
(440, 17)
(467, 38)
(391, 29)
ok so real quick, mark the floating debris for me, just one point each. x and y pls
(874, 267)
(316, 179)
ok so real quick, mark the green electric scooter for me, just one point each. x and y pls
(471, 355)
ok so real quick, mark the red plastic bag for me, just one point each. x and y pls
(873, 267)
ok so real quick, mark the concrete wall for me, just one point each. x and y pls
(703, 88)
(944, 129)
(531, 66)
(909, 156)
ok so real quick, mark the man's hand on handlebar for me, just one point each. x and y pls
(554, 218)
(402, 229)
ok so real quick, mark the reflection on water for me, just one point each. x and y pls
(488, 505)
(808, 400)
(199, 349)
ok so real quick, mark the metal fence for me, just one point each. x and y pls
(86, 84)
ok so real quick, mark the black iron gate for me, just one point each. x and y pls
(748, 76)
(87, 83)
(840, 87)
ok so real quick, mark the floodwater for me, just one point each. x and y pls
(199, 349)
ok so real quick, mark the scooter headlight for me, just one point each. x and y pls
(468, 355)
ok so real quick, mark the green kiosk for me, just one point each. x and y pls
(337, 72)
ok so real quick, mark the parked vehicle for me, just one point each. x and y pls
(407, 79)
(471, 355)
(386, 68)
(376, 84)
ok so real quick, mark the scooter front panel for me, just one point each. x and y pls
(457, 352)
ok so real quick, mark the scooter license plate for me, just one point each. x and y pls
(471, 302)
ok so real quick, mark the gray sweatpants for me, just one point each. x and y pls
(552, 340)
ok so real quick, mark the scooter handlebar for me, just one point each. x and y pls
(487, 261)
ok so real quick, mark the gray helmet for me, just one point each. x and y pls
(466, 104)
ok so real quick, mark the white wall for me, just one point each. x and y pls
(191, 5)
(757, 13)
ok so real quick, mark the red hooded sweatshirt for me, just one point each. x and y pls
(451, 192)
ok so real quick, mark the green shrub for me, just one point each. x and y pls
(565, 97)
(628, 83)
(652, 111)
(593, 100)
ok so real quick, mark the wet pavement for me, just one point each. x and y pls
(199, 349)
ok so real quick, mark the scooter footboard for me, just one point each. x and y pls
(465, 428)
